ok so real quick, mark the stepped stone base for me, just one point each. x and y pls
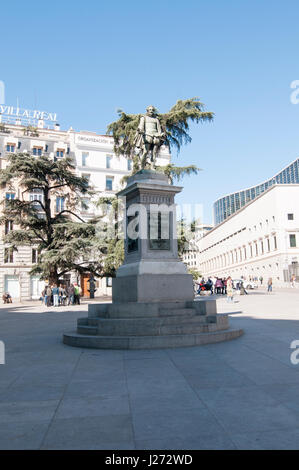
(145, 325)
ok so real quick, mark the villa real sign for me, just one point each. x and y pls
(15, 112)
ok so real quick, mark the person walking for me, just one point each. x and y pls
(225, 286)
(242, 289)
(270, 284)
(63, 295)
(218, 286)
(60, 290)
(44, 296)
(48, 296)
(55, 292)
(261, 280)
(293, 280)
(229, 289)
(71, 294)
(77, 293)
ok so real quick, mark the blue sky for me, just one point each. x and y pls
(84, 60)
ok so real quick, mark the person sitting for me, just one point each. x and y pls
(6, 297)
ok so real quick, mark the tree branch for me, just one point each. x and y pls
(70, 212)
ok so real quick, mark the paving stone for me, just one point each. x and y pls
(22, 435)
(183, 424)
(93, 406)
(15, 412)
(89, 432)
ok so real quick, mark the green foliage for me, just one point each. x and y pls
(110, 235)
(182, 237)
(178, 172)
(175, 125)
(30, 130)
(196, 275)
(64, 241)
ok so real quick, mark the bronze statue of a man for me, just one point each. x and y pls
(149, 137)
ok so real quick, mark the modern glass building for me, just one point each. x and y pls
(228, 205)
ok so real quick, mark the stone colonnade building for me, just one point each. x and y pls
(261, 239)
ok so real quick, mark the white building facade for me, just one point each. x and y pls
(259, 240)
(191, 256)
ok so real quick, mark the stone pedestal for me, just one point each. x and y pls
(152, 271)
(152, 295)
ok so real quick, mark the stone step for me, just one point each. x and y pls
(141, 330)
(137, 310)
(150, 326)
(167, 312)
(149, 342)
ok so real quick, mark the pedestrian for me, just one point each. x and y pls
(210, 285)
(293, 280)
(55, 292)
(229, 289)
(270, 284)
(6, 297)
(71, 294)
(43, 296)
(77, 294)
(48, 296)
(225, 286)
(63, 295)
(242, 289)
(261, 280)
(218, 286)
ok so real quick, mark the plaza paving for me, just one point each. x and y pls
(242, 394)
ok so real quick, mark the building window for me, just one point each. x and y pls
(109, 183)
(293, 241)
(87, 178)
(129, 164)
(256, 249)
(8, 226)
(290, 216)
(108, 161)
(262, 247)
(36, 195)
(268, 244)
(60, 153)
(11, 148)
(85, 159)
(37, 151)
(9, 197)
(275, 242)
(8, 255)
(85, 205)
(59, 204)
(34, 256)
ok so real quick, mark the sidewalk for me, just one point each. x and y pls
(39, 304)
(241, 394)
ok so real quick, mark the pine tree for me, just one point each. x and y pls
(63, 239)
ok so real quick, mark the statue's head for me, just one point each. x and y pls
(151, 110)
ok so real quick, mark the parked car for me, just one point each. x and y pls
(246, 284)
